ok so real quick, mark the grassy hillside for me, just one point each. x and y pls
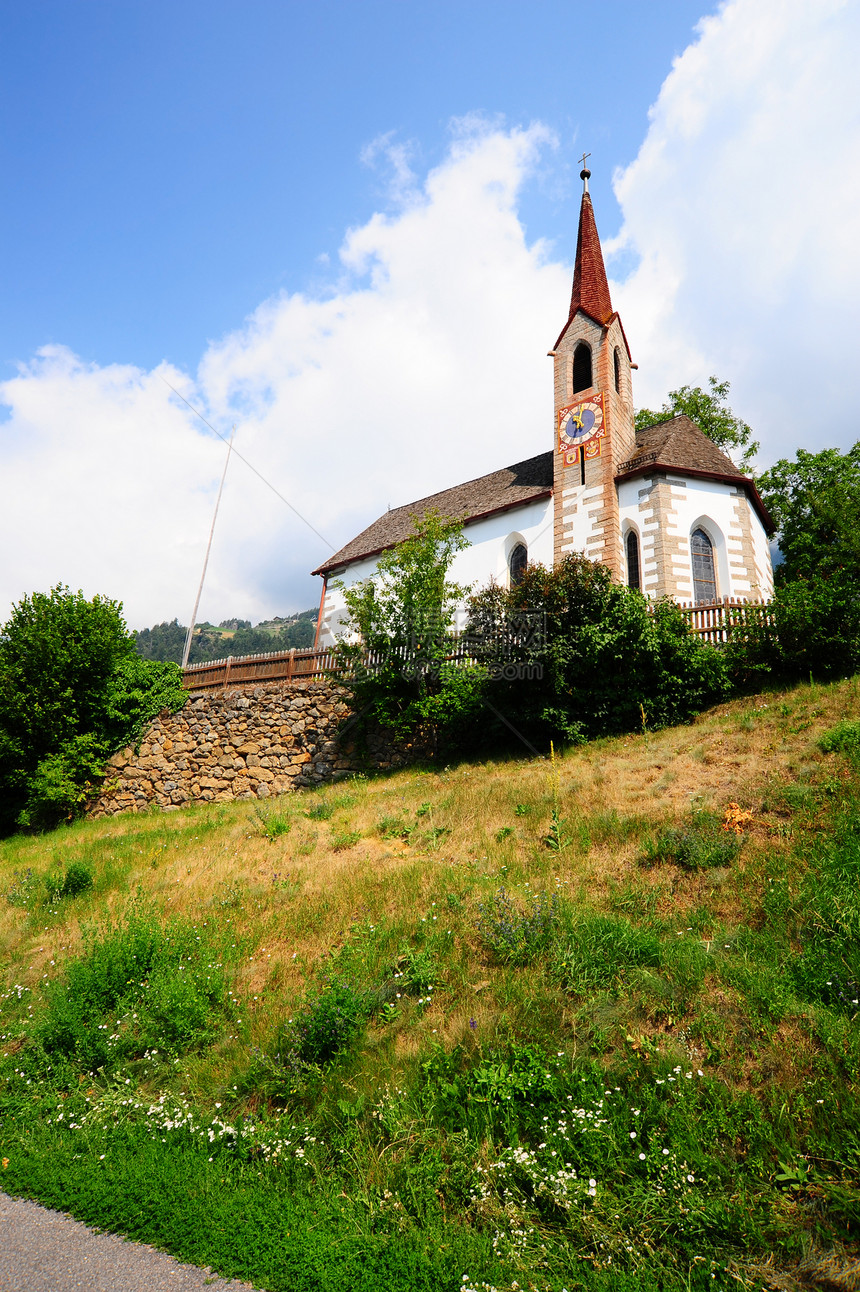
(582, 1023)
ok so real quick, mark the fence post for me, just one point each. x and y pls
(227, 671)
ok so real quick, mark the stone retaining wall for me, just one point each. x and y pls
(250, 742)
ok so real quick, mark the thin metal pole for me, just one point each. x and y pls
(187, 650)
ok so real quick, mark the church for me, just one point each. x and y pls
(663, 508)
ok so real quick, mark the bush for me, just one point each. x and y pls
(403, 616)
(329, 1023)
(844, 738)
(517, 935)
(77, 879)
(138, 987)
(701, 845)
(595, 657)
(815, 632)
(72, 691)
(62, 782)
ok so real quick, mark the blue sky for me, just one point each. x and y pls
(167, 166)
(349, 230)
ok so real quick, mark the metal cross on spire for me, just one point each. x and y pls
(585, 173)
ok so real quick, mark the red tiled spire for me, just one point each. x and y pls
(590, 288)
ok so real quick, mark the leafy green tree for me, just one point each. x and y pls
(403, 616)
(710, 410)
(165, 641)
(71, 691)
(593, 656)
(815, 503)
(299, 634)
(812, 630)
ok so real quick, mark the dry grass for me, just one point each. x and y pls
(448, 837)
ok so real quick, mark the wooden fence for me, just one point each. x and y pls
(277, 666)
(717, 621)
(714, 621)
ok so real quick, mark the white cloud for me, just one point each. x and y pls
(425, 363)
(742, 204)
(104, 488)
(424, 367)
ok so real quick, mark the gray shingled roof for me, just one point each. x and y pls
(513, 486)
(680, 447)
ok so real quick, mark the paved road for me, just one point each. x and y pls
(45, 1251)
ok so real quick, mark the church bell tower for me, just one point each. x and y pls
(594, 430)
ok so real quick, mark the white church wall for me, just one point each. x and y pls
(493, 539)
(491, 542)
(693, 503)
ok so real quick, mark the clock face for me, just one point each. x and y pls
(580, 422)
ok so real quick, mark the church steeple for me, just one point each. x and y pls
(594, 430)
(590, 288)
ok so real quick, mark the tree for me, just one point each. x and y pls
(815, 502)
(403, 616)
(812, 630)
(71, 691)
(594, 658)
(165, 641)
(710, 410)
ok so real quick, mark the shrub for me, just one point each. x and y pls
(330, 1022)
(815, 631)
(403, 615)
(62, 782)
(139, 986)
(77, 879)
(516, 935)
(844, 738)
(595, 657)
(700, 845)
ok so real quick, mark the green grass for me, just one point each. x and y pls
(385, 1036)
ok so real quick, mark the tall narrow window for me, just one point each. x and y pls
(517, 563)
(704, 577)
(633, 577)
(581, 367)
(616, 359)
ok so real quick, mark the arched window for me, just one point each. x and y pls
(517, 562)
(616, 359)
(581, 367)
(704, 577)
(633, 577)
